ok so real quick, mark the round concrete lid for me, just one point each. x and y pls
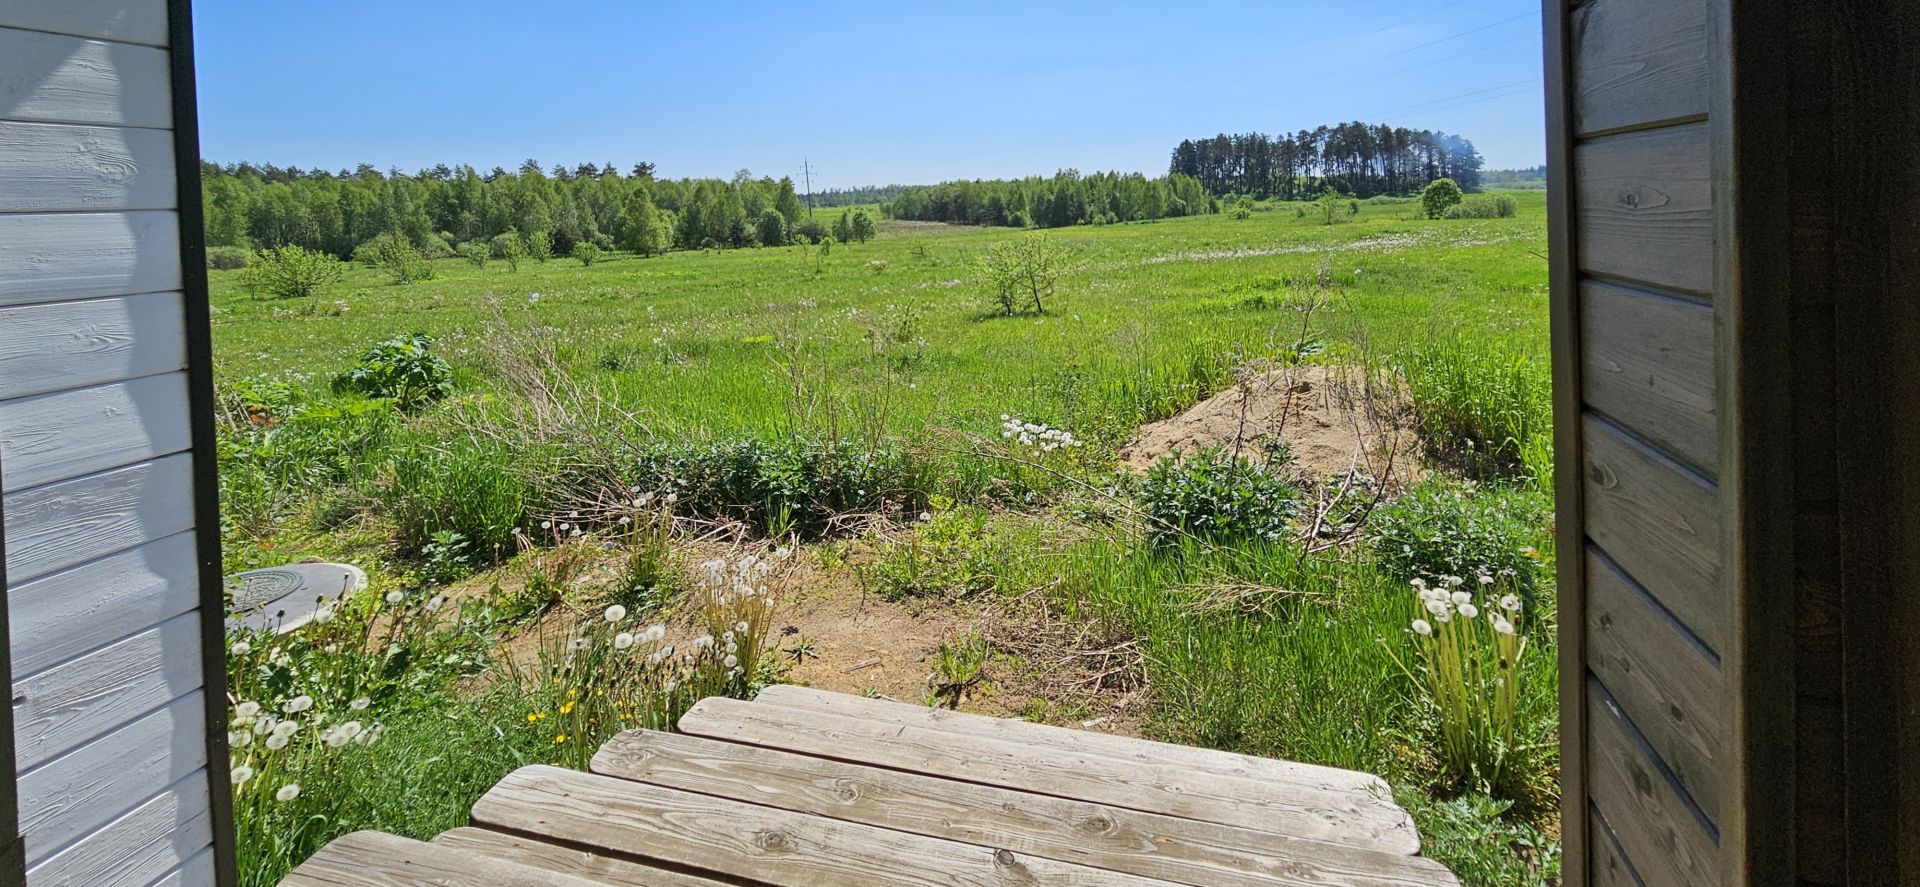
(281, 599)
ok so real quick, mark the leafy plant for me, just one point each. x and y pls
(446, 556)
(511, 247)
(1467, 649)
(1217, 496)
(227, 258)
(1438, 196)
(787, 486)
(476, 253)
(953, 551)
(1022, 272)
(402, 368)
(1332, 206)
(958, 669)
(1443, 528)
(292, 272)
(403, 263)
(587, 252)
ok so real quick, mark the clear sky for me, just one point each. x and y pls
(873, 93)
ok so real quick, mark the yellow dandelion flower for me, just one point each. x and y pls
(572, 692)
(559, 739)
(567, 708)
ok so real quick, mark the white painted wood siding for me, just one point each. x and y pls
(96, 460)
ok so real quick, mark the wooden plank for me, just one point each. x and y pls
(1647, 363)
(1664, 836)
(147, 843)
(1637, 62)
(1332, 779)
(55, 166)
(1660, 524)
(65, 614)
(55, 437)
(375, 859)
(141, 21)
(79, 792)
(60, 708)
(55, 257)
(599, 868)
(59, 525)
(1667, 684)
(1351, 818)
(76, 344)
(195, 872)
(63, 79)
(1608, 866)
(749, 841)
(1179, 850)
(1644, 203)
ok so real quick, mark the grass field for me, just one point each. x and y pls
(785, 392)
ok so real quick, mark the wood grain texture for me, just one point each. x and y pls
(80, 792)
(59, 525)
(66, 614)
(1608, 866)
(130, 21)
(63, 79)
(1644, 203)
(195, 872)
(1292, 810)
(1661, 525)
(55, 437)
(52, 166)
(1647, 363)
(1179, 850)
(1638, 62)
(374, 859)
(60, 708)
(599, 868)
(68, 345)
(1668, 843)
(749, 841)
(154, 839)
(1664, 682)
(1206, 760)
(55, 257)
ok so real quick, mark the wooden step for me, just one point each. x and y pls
(567, 861)
(377, 859)
(1179, 850)
(1351, 818)
(741, 840)
(1084, 741)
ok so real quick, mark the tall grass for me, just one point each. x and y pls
(1483, 407)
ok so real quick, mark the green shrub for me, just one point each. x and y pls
(476, 253)
(810, 230)
(539, 245)
(402, 368)
(1022, 272)
(1242, 208)
(1483, 206)
(771, 229)
(1438, 196)
(587, 252)
(437, 246)
(1215, 495)
(291, 272)
(509, 245)
(788, 486)
(227, 258)
(1332, 206)
(1446, 528)
(403, 263)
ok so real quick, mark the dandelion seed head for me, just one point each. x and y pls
(240, 775)
(241, 648)
(1469, 611)
(287, 792)
(622, 640)
(394, 597)
(1422, 628)
(615, 613)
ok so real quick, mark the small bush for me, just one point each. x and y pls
(952, 551)
(539, 245)
(403, 263)
(1243, 208)
(785, 487)
(476, 253)
(1215, 495)
(1444, 528)
(1482, 206)
(403, 369)
(1332, 207)
(587, 252)
(510, 246)
(1438, 196)
(810, 230)
(771, 229)
(227, 258)
(292, 272)
(436, 246)
(1023, 272)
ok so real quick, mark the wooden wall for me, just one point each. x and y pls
(104, 509)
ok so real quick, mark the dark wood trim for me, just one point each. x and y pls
(13, 861)
(206, 468)
(1570, 541)
(1749, 117)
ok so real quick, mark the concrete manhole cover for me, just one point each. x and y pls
(282, 599)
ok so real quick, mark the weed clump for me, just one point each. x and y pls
(1444, 528)
(1216, 496)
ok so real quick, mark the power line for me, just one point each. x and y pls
(1419, 105)
(1417, 17)
(1448, 58)
(1502, 95)
(1456, 36)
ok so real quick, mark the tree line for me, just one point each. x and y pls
(1068, 198)
(437, 210)
(1352, 158)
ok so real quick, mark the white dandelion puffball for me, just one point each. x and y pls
(1452, 581)
(264, 726)
(740, 627)
(546, 525)
(1437, 608)
(577, 644)
(625, 520)
(241, 648)
(435, 602)
(926, 516)
(287, 792)
(335, 739)
(239, 738)
(1461, 597)
(1510, 603)
(672, 498)
(1418, 582)
(702, 642)
(1422, 628)
(394, 597)
(349, 729)
(360, 704)
(246, 709)
(653, 633)
(286, 728)
(732, 660)
(616, 613)
(622, 640)
(240, 775)
(1469, 611)
(1502, 626)
(278, 741)
(299, 704)
(323, 615)
(1486, 579)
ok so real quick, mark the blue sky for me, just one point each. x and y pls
(872, 93)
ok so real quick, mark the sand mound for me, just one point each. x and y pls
(1333, 420)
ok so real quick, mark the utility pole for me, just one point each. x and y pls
(806, 172)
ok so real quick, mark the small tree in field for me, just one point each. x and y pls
(509, 245)
(843, 227)
(1439, 196)
(291, 272)
(1333, 207)
(476, 253)
(402, 262)
(771, 229)
(1023, 272)
(861, 226)
(539, 245)
(587, 252)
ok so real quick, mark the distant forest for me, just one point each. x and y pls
(262, 206)
(865, 195)
(1352, 158)
(1068, 198)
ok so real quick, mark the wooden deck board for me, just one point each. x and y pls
(815, 789)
